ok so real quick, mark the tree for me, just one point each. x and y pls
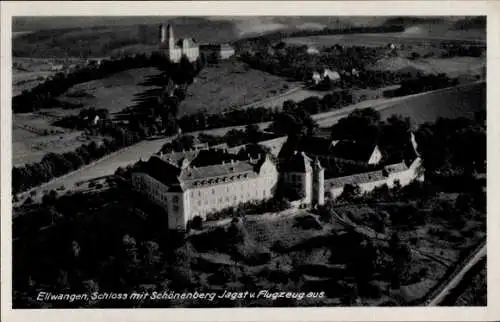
(360, 125)
(350, 192)
(197, 223)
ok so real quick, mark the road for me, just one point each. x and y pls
(436, 300)
(144, 149)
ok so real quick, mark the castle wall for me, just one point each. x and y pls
(301, 182)
(404, 178)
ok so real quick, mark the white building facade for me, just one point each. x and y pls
(174, 50)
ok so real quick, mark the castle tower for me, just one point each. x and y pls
(318, 183)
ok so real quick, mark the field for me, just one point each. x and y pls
(34, 137)
(453, 67)
(460, 101)
(230, 85)
(375, 40)
(463, 101)
(33, 134)
(29, 72)
(114, 93)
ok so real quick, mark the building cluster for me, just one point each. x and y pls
(174, 49)
(186, 188)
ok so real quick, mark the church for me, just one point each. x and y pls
(174, 50)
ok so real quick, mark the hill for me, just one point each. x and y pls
(460, 101)
(105, 36)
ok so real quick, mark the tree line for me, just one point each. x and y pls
(45, 95)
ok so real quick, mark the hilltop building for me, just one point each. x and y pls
(174, 50)
(186, 186)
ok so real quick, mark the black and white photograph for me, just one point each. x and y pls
(248, 161)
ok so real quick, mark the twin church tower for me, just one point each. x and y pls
(174, 50)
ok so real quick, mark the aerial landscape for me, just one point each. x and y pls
(204, 162)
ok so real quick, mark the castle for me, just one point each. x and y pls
(186, 191)
(174, 50)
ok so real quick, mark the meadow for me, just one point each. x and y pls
(113, 93)
(29, 72)
(375, 40)
(461, 101)
(230, 85)
(34, 135)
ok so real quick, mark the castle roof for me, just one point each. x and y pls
(342, 149)
(179, 175)
(366, 177)
(299, 162)
(353, 150)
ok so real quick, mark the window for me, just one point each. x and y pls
(263, 193)
(234, 198)
(175, 203)
(199, 202)
(199, 193)
(213, 191)
(227, 199)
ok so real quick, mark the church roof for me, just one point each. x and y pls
(190, 42)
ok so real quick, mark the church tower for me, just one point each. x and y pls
(163, 34)
(171, 39)
(318, 183)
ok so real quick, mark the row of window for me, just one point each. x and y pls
(232, 199)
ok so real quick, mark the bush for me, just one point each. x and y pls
(197, 223)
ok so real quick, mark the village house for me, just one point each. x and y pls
(318, 76)
(312, 50)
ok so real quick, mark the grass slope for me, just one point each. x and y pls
(462, 101)
(114, 93)
(229, 85)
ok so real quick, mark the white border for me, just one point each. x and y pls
(255, 8)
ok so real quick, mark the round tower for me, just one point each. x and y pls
(318, 184)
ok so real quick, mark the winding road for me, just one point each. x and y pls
(456, 277)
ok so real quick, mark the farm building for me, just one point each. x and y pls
(217, 51)
(318, 77)
(312, 50)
